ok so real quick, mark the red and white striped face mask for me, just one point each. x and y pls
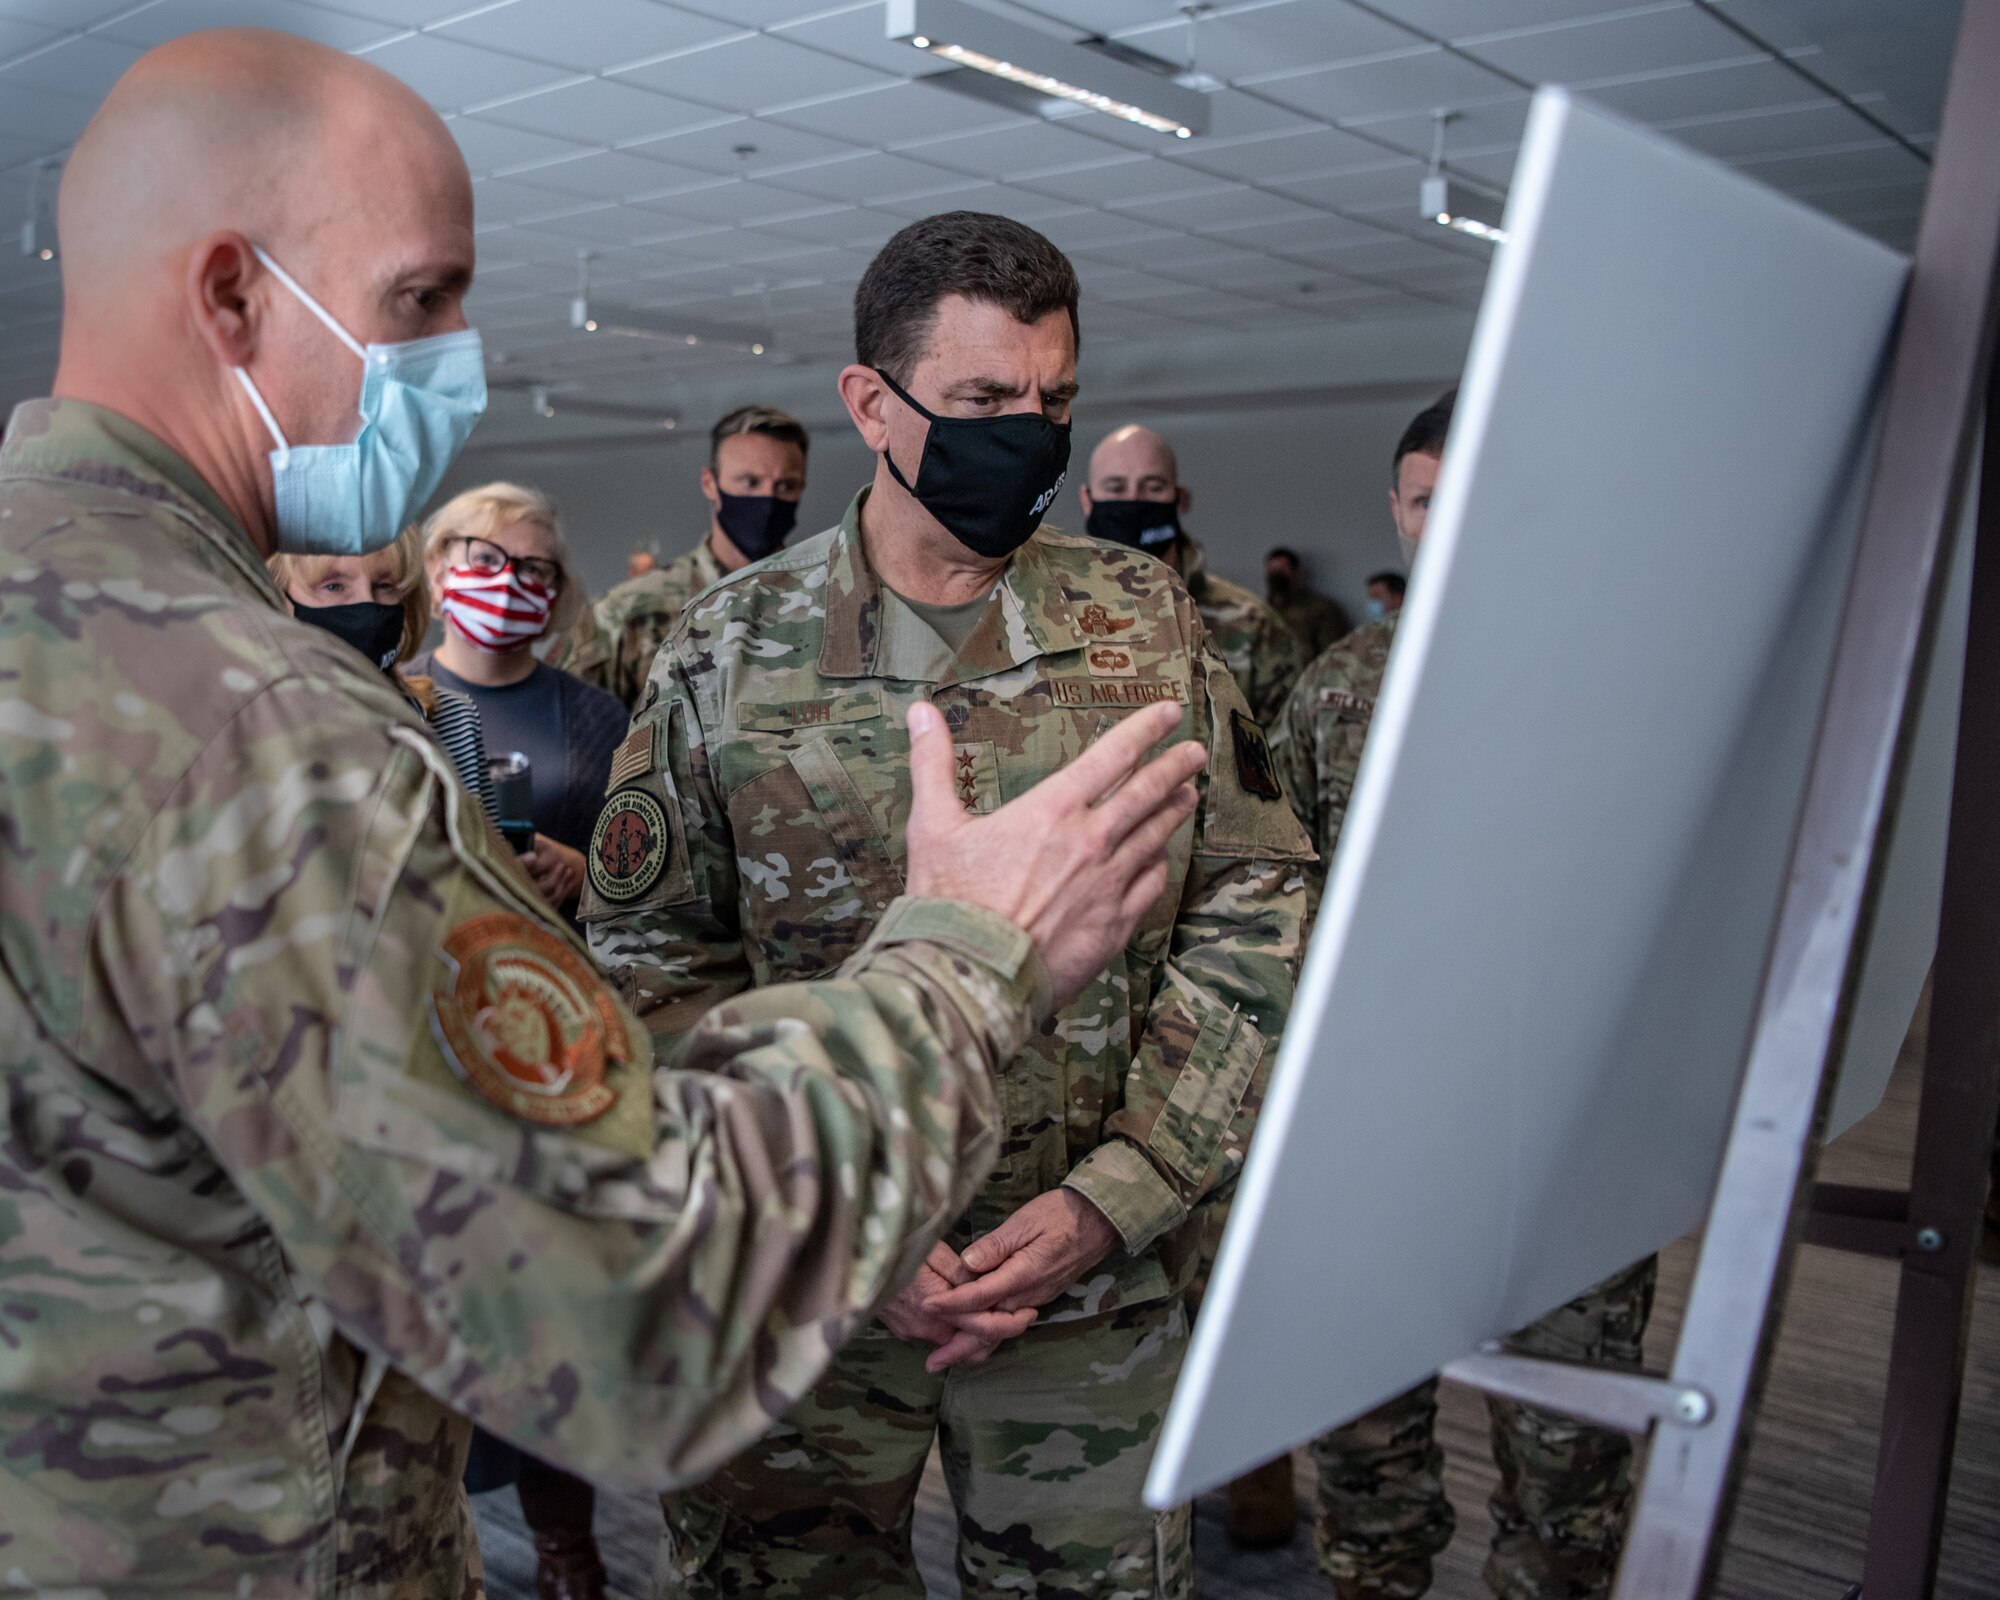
(495, 611)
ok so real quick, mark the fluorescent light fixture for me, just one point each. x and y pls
(966, 37)
(629, 322)
(1451, 204)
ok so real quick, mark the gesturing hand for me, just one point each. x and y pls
(556, 869)
(1077, 860)
(1032, 1257)
(970, 1338)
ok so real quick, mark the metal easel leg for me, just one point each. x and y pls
(1937, 382)
(1961, 1092)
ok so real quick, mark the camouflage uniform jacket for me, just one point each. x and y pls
(772, 738)
(1317, 741)
(1252, 639)
(635, 618)
(1318, 622)
(583, 651)
(314, 1121)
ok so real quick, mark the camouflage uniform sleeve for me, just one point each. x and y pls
(660, 906)
(409, 1067)
(1280, 659)
(1292, 754)
(1197, 1078)
(635, 645)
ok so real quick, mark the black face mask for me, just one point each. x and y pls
(1148, 525)
(370, 627)
(987, 479)
(757, 524)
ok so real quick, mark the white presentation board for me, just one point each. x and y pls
(1510, 1067)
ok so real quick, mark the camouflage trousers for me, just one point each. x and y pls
(1565, 1488)
(1045, 1447)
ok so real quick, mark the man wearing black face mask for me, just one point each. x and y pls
(755, 474)
(773, 759)
(1134, 497)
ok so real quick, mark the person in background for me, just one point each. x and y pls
(1385, 594)
(755, 474)
(379, 604)
(1565, 1488)
(1317, 620)
(1134, 497)
(641, 562)
(499, 573)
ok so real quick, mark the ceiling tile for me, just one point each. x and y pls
(1809, 125)
(1814, 172)
(1236, 44)
(42, 120)
(1121, 182)
(1006, 200)
(1485, 127)
(1457, 19)
(600, 112)
(1603, 47)
(729, 200)
(1415, 82)
(1104, 234)
(1318, 150)
(604, 175)
(588, 35)
(1393, 256)
(1359, 186)
(61, 15)
(448, 74)
(168, 19)
(1322, 231)
(489, 147)
(755, 72)
(855, 227)
(405, 13)
(1015, 148)
(856, 33)
(740, 146)
(17, 38)
(1707, 92)
(898, 113)
(86, 67)
(1227, 208)
(871, 176)
(502, 202)
(608, 225)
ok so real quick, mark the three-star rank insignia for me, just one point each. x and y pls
(525, 1022)
(628, 850)
(1255, 773)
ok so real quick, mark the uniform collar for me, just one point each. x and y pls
(74, 441)
(1194, 565)
(707, 567)
(1029, 615)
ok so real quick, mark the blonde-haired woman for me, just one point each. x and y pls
(499, 574)
(378, 604)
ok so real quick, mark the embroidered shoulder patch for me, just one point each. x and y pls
(1099, 623)
(525, 1022)
(1254, 771)
(633, 758)
(628, 849)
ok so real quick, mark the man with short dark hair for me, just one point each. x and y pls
(772, 744)
(755, 474)
(1134, 496)
(1385, 593)
(1316, 620)
(1559, 1511)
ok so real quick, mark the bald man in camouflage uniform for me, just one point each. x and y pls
(1133, 496)
(771, 742)
(1560, 1509)
(319, 1136)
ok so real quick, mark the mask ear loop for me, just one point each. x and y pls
(325, 316)
(921, 410)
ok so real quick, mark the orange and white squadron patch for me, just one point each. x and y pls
(525, 1022)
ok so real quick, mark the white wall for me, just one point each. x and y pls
(1284, 443)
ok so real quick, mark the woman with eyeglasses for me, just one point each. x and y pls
(499, 574)
(500, 577)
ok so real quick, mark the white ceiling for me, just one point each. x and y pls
(736, 162)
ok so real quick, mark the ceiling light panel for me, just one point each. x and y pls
(961, 36)
(1249, 41)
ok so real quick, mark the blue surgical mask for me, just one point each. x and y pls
(1376, 609)
(419, 402)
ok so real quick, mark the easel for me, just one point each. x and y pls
(1766, 1201)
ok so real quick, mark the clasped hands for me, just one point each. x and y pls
(967, 1305)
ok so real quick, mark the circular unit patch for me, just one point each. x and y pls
(526, 1022)
(628, 852)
